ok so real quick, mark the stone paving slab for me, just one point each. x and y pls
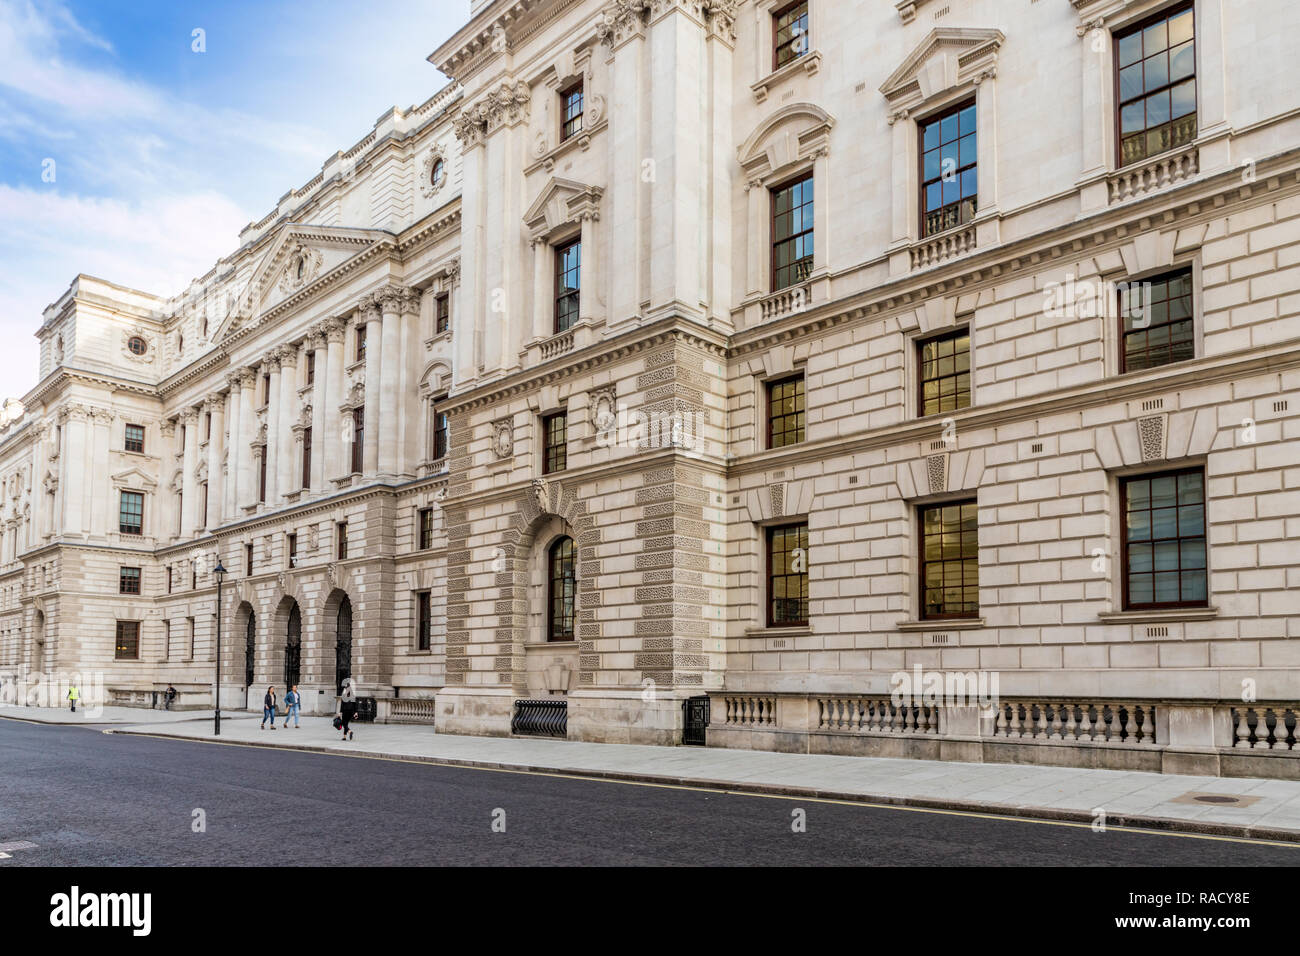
(106, 714)
(1129, 798)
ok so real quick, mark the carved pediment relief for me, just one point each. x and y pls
(300, 256)
(133, 478)
(561, 202)
(793, 134)
(947, 57)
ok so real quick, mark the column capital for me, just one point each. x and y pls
(367, 308)
(188, 416)
(333, 330)
(391, 299)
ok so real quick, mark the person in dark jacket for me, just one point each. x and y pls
(169, 697)
(348, 706)
(268, 708)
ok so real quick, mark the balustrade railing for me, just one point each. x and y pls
(877, 716)
(1142, 178)
(411, 710)
(750, 710)
(1265, 728)
(1112, 723)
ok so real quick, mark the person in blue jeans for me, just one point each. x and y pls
(268, 708)
(292, 701)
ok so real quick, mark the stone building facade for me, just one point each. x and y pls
(783, 354)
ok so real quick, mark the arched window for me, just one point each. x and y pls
(435, 175)
(562, 586)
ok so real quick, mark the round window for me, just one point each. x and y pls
(137, 345)
(439, 170)
(302, 266)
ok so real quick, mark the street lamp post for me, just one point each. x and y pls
(220, 572)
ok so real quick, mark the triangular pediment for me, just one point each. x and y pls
(299, 257)
(947, 57)
(133, 478)
(559, 202)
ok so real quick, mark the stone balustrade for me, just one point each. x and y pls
(749, 710)
(877, 716)
(941, 248)
(1138, 180)
(1098, 723)
(1265, 728)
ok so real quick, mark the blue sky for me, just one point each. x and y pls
(160, 153)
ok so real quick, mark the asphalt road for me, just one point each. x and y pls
(93, 799)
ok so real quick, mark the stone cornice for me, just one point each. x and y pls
(598, 354)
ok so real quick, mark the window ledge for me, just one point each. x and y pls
(803, 631)
(1145, 176)
(942, 624)
(1155, 616)
(809, 63)
(537, 645)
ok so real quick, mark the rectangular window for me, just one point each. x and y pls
(1156, 324)
(950, 566)
(203, 502)
(949, 174)
(426, 529)
(292, 548)
(169, 579)
(442, 313)
(789, 33)
(180, 511)
(785, 412)
(571, 111)
(792, 233)
(194, 575)
(134, 438)
(248, 559)
(130, 517)
(189, 653)
(1164, 540)
(311, 368)
(361, 343)
(423, 619)
(358, 438)
(568, 284)
(1155, 85)
(555, 440)
(943, 373)
(207, 426)
(342, 540)
(128, 641)
(266, 395)
(167, 640)
(440, 433)
(787, 575)
(128, 581)
(306, 458)
(261, 476)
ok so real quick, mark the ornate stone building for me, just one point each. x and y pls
(784, 354)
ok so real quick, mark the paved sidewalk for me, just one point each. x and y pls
(1063, 793)
(111, 715)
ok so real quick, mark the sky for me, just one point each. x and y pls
(134, 149)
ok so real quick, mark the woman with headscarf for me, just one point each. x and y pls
(268, 708)
(348, 706)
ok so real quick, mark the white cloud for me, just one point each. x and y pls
(157, 245)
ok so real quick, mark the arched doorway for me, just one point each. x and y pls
(250, 648)
(343, 644)
(293, 648)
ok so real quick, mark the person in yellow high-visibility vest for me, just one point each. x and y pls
(74, 695)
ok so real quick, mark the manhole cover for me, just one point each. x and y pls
(1216, 798)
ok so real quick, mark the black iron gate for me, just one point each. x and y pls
(293, 649)
(250, 649)
(696, 720)
(343, 646)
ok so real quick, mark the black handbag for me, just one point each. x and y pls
(338, 723)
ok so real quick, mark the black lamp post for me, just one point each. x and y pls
(220, 572)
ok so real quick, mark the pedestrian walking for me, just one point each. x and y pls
(168, 697)
(292, 702)
(268, 708)
(74, 695)
(348, 706)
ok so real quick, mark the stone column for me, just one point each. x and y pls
(408, 403)
(72, 481)
(543, 299)
(319, 349)
(274, 411)
(370, 315)
(189, 483)
(334, 464)
(587, 276)
(216, 408)
(230, 489)
(247, 493)
(287, 416)
(387, 422)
